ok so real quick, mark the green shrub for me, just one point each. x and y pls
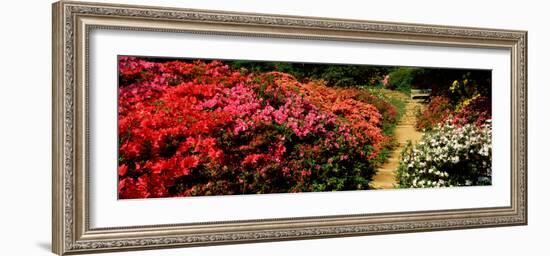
(402, 79)
(341, 76)
(333, 74)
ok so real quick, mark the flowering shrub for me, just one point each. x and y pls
(437, 110)
(476, 111)
(386, 109)
(349, 104)
(197, 128)
(450, 155)
(462, 91)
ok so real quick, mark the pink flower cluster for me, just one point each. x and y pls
(202, 128)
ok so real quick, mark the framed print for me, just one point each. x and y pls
(178, 127)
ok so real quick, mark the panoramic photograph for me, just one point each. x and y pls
(205, 127)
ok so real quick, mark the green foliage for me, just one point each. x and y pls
(391, 105)
(440, 80)
(399, 104)
(468, 87)
(342, 75)
(465, 82)
(402, 78)
(396, 99)
(333, 74)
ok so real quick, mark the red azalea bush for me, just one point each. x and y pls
(437, 110)
(477, 112)
(197, 128)
(386, 109)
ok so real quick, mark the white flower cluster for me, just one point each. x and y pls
(448, 156)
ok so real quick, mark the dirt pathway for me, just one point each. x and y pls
(385, 176)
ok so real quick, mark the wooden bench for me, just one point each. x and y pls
(420, 94)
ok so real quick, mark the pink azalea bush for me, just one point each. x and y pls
(202, 128)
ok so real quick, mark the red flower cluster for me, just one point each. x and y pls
(197, 128)
(435, 112)
(362, 110)
(477, 111)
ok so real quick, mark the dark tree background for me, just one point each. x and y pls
(401, 78)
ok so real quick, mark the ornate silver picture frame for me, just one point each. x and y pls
(74, 21)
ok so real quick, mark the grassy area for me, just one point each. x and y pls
(399, 101)
(396, 98)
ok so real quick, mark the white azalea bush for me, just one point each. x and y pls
(449, 155)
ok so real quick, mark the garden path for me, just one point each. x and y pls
(405, 131)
